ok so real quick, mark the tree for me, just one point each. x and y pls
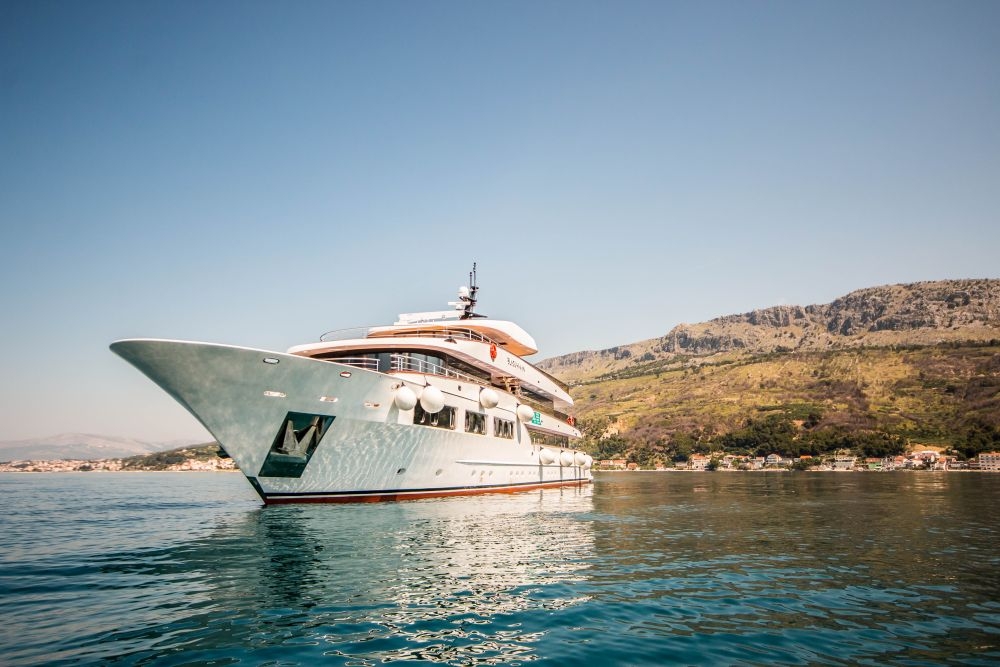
(978, 437)
(772, 434)
(682, 445)
(612, 447)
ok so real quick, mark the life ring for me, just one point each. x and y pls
(493, 351)
(571, 421)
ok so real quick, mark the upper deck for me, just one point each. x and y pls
(502, 333)
(460, 341)
(470, 347)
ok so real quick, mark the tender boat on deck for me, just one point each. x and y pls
(437, 404)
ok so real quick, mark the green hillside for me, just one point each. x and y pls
(930, 376)
(163, 460)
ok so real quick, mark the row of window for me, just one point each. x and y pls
(475, 422)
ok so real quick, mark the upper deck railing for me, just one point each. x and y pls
(401, 363)
(368, 363)
(345, 334)
(384, 332)
(406, 364)
(440, 334)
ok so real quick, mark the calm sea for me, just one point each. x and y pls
(640, 568)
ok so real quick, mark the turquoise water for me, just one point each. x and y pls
(638, 569)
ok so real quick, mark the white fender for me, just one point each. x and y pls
(405, 399)
(546, 455)
(431, 399)
(589, 462)
(488, 398)
(580, 459)
(566, 458)
(525, 413)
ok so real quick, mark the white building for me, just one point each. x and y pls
(698, 462)
(844, 462)
(989, 461)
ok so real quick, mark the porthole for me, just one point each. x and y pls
(270, 360)
(438, 471)
(401, 471)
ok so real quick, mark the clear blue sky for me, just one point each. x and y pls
(258, 173)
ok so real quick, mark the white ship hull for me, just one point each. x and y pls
(305, 430)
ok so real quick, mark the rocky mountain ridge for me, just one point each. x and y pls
(923, 313)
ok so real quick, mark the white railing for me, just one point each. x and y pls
(404, 363)
(370, 332)
(345, 334)
(401, 363)
(368, 363)
(457, 334)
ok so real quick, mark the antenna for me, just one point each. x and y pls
(469, 302)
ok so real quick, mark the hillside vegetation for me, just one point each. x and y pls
(875, 371)
(208, 452)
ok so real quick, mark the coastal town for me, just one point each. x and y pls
(119, 465)
(195, 458)
(928, 459)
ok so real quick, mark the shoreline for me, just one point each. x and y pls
(116, 465)
(787, 470)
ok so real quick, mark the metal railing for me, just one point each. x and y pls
(405, 364)
(368, 363)
(402, 363)
(374, 332)
(345, 334)
(445, 334)
(457, 334)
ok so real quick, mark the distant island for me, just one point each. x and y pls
(879, 373)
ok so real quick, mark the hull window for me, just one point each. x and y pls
(475, 422)
(549, 440)
(443, 418)
(503, 428)
(294, 444)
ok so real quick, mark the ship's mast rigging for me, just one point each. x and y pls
(467, 298)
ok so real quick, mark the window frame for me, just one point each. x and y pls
(423, 418)
(479, 418)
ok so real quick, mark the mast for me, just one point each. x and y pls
(467, 297)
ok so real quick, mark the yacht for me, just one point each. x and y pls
(437, 404)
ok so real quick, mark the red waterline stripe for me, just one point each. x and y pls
(377, 497)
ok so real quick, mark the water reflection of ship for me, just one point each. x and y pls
(434, 580)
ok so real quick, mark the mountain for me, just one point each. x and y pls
(78, 446)
(885, 367)
(924, 313)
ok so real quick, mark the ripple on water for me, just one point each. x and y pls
(637, 569)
